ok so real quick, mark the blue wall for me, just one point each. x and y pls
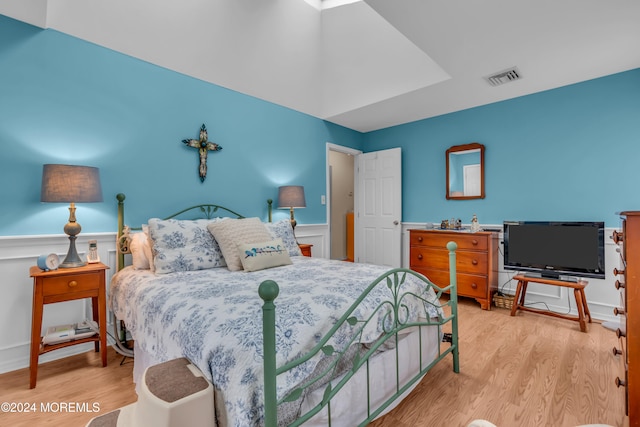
(63, 100)
(571, 153)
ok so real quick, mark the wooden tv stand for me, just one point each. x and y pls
(578, 291)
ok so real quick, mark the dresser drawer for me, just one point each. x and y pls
(466, 261)
(70, 283)
(468, 285)
(438, 239)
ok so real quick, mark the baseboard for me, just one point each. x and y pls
(13, 358)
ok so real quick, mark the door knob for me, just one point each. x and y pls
(395, 222)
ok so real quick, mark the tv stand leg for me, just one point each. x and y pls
(584, 304)
(579, 304)
(520, 292)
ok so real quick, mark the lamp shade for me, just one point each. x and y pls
(68, 183)
(291, 196)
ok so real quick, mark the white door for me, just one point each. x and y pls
(379, 208)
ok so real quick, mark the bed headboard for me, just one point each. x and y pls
(205, 211)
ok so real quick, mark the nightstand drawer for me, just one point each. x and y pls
(70, 283)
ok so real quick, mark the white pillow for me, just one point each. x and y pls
(258, 256)
(231, 232)
(148, 248)
(183, 245)
(282, 229)
(140, 251)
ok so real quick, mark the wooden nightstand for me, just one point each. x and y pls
(305, 248)
(67, 284)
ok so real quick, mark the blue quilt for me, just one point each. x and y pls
(214, 318)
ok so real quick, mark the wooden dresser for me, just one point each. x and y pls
(629, 332)
(477, 261)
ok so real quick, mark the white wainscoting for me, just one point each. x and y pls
(17, 255)
(316, 235)
(602, 295)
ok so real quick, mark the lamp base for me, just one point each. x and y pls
(72, 264)
(72, 260)
(293, 225)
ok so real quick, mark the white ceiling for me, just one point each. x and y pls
(365, 65)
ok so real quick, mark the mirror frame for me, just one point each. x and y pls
(466, 147)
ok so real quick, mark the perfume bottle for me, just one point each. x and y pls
(92, 255)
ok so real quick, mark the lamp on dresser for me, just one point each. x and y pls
(291, 197)
(71, 184)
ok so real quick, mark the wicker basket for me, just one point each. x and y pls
(503, 300)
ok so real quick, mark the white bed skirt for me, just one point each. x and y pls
(349, 406)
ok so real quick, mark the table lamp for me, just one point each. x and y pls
(71, 184)
(291, 197)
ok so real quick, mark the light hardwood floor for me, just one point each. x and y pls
(528, 370)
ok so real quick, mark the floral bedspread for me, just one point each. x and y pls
(214, 318)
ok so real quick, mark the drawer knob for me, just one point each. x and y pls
(419, 238)
(616, 351)
(618, 311)
(619, 333)
(419, 256)
(72, 284)
(620, 383)
(474, 261)
(617, 272)
(619, 284)
(474, 286)
(474, 242)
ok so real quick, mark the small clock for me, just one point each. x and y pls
(48, 262)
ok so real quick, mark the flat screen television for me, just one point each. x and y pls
(555, 249)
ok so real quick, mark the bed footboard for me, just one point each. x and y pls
(396, 321)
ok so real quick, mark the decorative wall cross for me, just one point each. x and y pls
(203, 147)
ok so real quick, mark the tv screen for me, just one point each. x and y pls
(555, 249)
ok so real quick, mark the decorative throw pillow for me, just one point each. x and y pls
(258, 256)
(148, 248)
(282, 230)
(184, 245)
(140, 250)
(231, 232)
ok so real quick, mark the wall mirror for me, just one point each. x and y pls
(465, 172)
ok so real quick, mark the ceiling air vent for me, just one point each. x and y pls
(504, 76)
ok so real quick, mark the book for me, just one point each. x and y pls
(62, 333)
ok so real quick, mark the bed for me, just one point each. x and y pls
(306, 341)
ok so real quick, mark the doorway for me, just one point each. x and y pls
(373, 187)
(340, 200)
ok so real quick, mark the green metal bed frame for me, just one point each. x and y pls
(394, 311)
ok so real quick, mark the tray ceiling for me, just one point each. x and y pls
(365, 65)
